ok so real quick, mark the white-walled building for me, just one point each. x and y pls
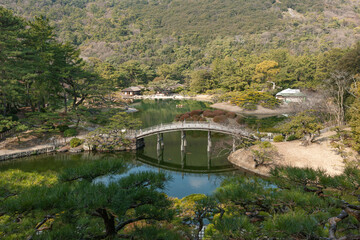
(291, 95)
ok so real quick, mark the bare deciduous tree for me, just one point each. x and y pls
(338, 86)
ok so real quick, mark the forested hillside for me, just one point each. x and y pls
(165, 31)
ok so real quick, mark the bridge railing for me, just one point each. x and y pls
(186, 125)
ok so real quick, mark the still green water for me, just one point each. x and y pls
(196, 171)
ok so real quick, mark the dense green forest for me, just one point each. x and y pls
(46, 64)
(171, 38)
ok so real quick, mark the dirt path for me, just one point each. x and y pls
(37, 146)
(319, 155)
(259, 111)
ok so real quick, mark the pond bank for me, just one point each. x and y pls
(319, 155)
(26, 152)
(51, 145)
(201, 97)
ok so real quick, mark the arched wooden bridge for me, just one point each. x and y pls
(189, 126)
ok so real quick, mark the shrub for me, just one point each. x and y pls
(177, 117)
(208, 113)
(184, 117)
(75, 142)
(291, 138)
(220, 119)
(202, 119)
(63, 128)
(178, 90)
(231, 115)
(71, 132)
(278, 138)
(196, 112)
(196, 118)
(219, 112)
(264, 153)
(270, 102)
(250, 99)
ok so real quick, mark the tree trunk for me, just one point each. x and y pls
(109, 221)
(201, 225)
(65, 101)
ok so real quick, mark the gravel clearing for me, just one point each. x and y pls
(319, 155)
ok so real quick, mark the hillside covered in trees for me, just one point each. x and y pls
(156, 32)
(206, 44)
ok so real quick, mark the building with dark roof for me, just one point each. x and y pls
(131, 91)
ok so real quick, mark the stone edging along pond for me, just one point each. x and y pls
(27, 153)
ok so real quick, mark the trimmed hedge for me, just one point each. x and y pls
(219, 112)
(231, 115)
(278, 138)
(196, 112)
(220, 119)
(208, 114)
(177, 117)
(196, 118)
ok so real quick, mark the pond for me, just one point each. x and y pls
(194, 171)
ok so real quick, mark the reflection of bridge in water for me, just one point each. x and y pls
(159, 130)
(182, 166)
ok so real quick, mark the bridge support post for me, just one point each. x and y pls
(183, 140)
(209, 142)
(158, 145)
(234, 144)
(183, 159)
(209, 159)
(160, 155)
(162, 140)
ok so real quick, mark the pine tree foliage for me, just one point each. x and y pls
(79, 199)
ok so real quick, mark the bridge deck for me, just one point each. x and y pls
(179, 126)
